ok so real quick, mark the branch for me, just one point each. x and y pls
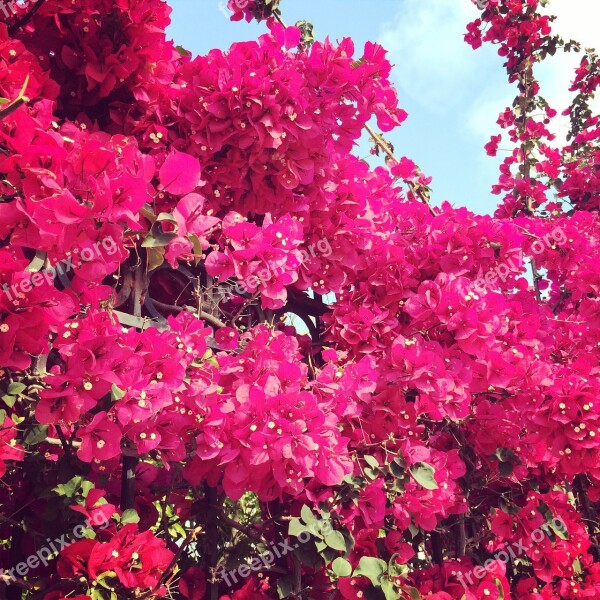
(436, 546)
(138, 322)
(126, 288)
(17, 102)
(191, 537)
(419, 191)
(247, 531)
(212, 535)
(25, 18)
(63, 440)
(310, 306)
(139, 287)
(461, 537)
(128, 481)
(296, 577)
(58, 442)
(589, 514)
(563, 296)
(203, 315)
(278, 17)
(536, 280)
(5, 578)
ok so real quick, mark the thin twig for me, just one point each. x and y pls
(203, 315)
(65, 444)
(212, 537)
(247, 531)
(536, 280)
(17, 102)
(58, 442)
(278, 18)
(191, 536)
(419, 191)
(589, 514)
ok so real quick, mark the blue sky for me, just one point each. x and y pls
(453, 94)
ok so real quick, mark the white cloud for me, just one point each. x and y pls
(443, 75)
(433, 63)
(577, 20)
(482, 114)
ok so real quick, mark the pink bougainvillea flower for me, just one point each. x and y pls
(100, 440)
(180, 173)
(192, 584)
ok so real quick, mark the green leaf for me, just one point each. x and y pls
(285, 587)
(9, 400)
(413, 593)
(414, 531)
(507, 507)
(336, 541)
(396, 569)
(308, 555)
(389, 590)
(424, 474)
(96, 594)
(147, 212)
(296, 527)
(68, 489)
(157, 236)
(371, 461)
(371, 473)
(37, 262)
(2, 416)
(130, 516)
(307, 515)
(182, 51)
(86, 486)
(500, 589)
(4, 101)
(16, 388)
(102, 579)
(157, 241)
(163, 216)
(371, 568)
(396, 470)
(357, 63)
(559, 531)
(116, 392)
(197, 247)
(506, 455)
(341, 567)
(155, 258)
(36, 435)
(177, 530)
